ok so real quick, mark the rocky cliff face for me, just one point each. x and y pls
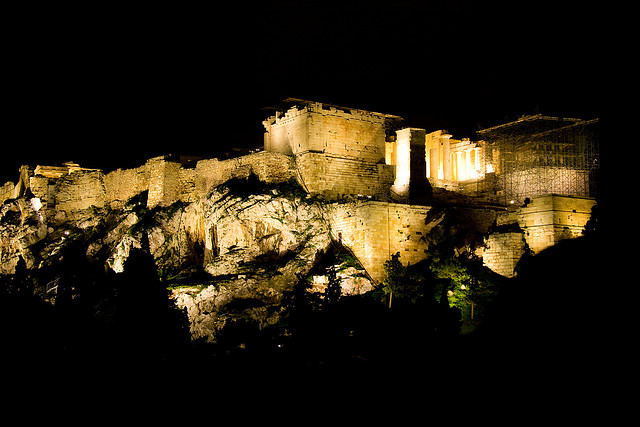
(21, 227)
(229, 256)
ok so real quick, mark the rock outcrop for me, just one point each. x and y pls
(228, 256)
(21, 227)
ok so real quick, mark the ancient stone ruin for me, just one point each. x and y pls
(529, 182)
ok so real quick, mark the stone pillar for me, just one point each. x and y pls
(402, 162)
(411, 168)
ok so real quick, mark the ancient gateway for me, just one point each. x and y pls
(532, 181)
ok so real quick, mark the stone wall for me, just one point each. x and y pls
(334, 176)
(550, 218)
(544, 221)
(503, 251)
(6, 191)
(375, 230)
(164, 182)
(44, 188)
(122, 184)
(337, 150)
(269, 167)
(78, 191)
(169, 182)
(74, 188)
(320, 128)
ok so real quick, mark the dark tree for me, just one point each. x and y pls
(333, 290)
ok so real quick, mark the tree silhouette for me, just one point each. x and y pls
(333, 290)
(145, 318)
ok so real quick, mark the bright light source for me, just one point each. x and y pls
(489, 168)
(512, 202)
(36, 204)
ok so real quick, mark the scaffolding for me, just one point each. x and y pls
(538, 155)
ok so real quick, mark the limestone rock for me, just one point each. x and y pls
(257, 247)
(228, 257)
(21, 226)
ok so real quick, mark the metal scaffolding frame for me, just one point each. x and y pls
(539, 154)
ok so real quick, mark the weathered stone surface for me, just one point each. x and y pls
(211, 308)
(21, 227)
(258, 247)
(502, 252)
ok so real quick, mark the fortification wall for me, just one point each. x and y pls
(503, 251)
(78, 191)
(164, 182)
(168, 182)
(338, 151)
(340, 132)
(122, 184)
(269, 167)
(187, 178)
(376, 230)
(550, 218)
(44, 188)
(6, 191)
(355, 134)
(545, 221)
(334, 176)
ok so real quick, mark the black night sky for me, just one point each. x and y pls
(109, 87)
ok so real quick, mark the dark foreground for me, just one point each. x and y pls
(550, 342)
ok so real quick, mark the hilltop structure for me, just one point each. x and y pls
(532, 181)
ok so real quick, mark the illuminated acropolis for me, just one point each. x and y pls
(378, 180)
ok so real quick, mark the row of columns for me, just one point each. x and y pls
(443, 163)
(417, 157)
